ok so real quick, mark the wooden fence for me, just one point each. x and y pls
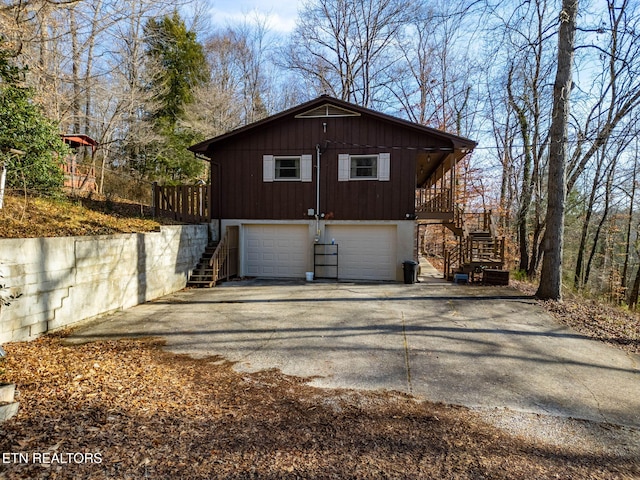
(184, 203)
(79, 177)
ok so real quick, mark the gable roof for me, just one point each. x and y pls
(79, 140)
(326, 106)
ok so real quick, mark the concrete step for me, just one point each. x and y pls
(8, 408)
(7, 392)
(200, 283)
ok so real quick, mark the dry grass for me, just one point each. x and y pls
(33, 217)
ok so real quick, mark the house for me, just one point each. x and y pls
(332, 188)
(79, 176)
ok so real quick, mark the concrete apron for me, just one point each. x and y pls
(474, 346)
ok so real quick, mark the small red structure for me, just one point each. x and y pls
(79, 176)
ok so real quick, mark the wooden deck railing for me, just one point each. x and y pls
(79, 177)
(434, 200)
(185, 203)
(478, 222)
(224, 261)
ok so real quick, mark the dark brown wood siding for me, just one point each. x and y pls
(244, 194)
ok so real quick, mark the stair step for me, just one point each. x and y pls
(7, 392)
(201, 278)
(207, 284)
(203, 274)
(8, 410)
(203, 269)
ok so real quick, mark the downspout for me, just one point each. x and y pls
(3, 178)
(317, 193)
(219, 193)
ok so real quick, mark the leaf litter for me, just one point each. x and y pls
(149, 413)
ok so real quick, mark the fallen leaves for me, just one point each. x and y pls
(605, 322)
(43, 217)
(151, 414)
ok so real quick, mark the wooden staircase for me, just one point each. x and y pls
(477, 248)
(218, 262)
(202, 275)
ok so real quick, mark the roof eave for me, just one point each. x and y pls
(459, 143)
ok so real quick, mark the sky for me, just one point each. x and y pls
(281, 14)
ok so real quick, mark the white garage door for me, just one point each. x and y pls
(276, 250)
(365, 252)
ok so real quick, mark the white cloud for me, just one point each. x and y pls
(280, 16)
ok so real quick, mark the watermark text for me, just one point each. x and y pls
(49, 458)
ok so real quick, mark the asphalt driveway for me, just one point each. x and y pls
(473, 346)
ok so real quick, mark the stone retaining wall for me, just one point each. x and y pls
(64, 280)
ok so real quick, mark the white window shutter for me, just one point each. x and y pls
(306, 168)
(267, 168)
(384, 167)
(344, 167)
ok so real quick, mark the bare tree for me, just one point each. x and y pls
(551, 275)
(241, 89)
(522, 44)
(343, 47)
(618, 83)
(632, 197)
(433, 80)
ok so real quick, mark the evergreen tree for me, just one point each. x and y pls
(176, 66)
(24, 127)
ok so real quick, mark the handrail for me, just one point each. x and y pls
(474, 250)
(434, 200)
(219, 258)
(222, 261)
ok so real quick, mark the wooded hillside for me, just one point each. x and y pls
(146, 79)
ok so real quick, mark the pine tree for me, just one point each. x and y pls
(176, 65)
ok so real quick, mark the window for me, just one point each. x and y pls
(364, 167)
(287, 168)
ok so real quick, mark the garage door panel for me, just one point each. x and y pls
(365, 252)
(276, 250)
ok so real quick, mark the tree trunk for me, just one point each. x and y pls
(625, 269)
(603, 219)
(525, 197)
(633, 297)
(578, 276)
(551, 275)
(75, 71)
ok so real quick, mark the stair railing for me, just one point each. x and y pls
(222, 259)
(434, 200)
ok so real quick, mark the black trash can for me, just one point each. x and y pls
(410, 271)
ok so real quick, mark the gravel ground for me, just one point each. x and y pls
(592, 438)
